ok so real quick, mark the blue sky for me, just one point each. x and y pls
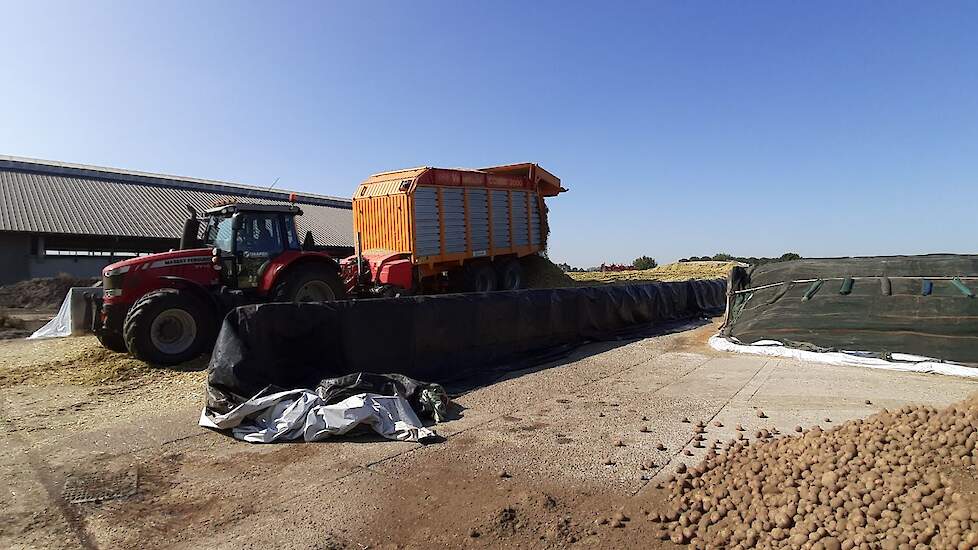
(681, 128)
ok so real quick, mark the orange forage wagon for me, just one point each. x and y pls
(424, 229)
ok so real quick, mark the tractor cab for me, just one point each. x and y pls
(251, 228)
(246, 238)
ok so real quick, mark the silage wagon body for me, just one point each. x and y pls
(424, 222)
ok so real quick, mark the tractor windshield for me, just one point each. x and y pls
(219, 233)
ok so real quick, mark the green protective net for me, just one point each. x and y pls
(920, 305)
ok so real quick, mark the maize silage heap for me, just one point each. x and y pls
(884, 305)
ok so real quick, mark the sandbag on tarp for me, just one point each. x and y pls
(433, 338)
(917, 305)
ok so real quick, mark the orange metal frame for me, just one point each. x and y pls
(383, 213)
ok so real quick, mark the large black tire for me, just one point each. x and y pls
(309, 283)
(510, 275)
(169, 326)
(478, 277)
(113, 340)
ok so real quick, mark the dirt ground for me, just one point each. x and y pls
(104, 452)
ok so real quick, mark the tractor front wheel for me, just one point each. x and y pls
(112, 340)
(309, 283)
(168, 326)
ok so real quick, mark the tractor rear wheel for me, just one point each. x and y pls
(168, 326)
(510, 274)
(478, 277)
(309, 283)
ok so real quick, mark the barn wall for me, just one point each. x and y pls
(15, 252)
(76, 266)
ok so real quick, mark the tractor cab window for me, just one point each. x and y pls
(260, 234)
(291, 236)
(259, 241)
(219, 233)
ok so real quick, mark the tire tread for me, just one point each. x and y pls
(133, 326)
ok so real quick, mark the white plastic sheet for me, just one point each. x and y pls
(71, 317)
(902, 362)
(302, 414)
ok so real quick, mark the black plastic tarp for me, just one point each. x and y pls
(885, 304)
(432, 338)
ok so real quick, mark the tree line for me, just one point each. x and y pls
(752, 260)
(648, 262)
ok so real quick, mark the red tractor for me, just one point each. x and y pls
(166, 308)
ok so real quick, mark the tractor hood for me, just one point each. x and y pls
(163, 259)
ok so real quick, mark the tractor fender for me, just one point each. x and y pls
(286, 262)
(200, 291)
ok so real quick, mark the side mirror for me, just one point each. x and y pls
(236, 222)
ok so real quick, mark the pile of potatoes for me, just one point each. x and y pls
(881, 482)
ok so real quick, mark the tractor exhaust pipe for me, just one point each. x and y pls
(359, 259)
(191, 230)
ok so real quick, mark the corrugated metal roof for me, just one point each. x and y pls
(50, 197)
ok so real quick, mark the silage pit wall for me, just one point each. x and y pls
(435, 338)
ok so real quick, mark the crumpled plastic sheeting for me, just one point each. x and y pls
(302, 414)
(902, 362)
(71, 317)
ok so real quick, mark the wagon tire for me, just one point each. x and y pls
(169, 326)
(309, 283)
(479, 277)
(510, 275)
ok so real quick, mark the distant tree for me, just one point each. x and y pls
(752, 260)
(565, 267)
(644, 262)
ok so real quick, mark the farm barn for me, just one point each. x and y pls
(58, 217)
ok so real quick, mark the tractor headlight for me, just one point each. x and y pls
(112, 280)
(116, 271)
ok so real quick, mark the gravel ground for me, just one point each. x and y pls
(570, 455)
